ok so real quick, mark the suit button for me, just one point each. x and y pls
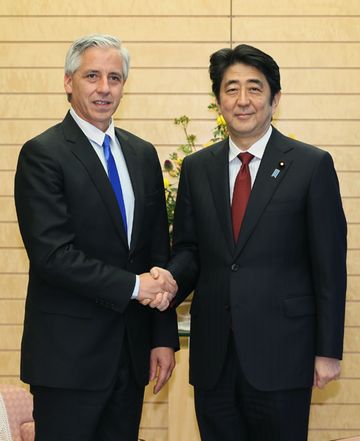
(227, 308)
(234, 267)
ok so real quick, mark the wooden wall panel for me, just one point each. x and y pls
(352, 209)
(333, 435)
(11, 311)
(351, 361)
(7, 209)
(13, 286)
(10, 235)
(114, 7)
(147, 54)
(294, 29)
(345, 157)
(353, 264)
(178, 28)
(335, 416)
(8, 157)
(7, 183)
(11, 336)
(310, 55)
(9, 362)
(353, 288)
(352, 340)
(317, 45)
(346, 391)
(13, 260)
(300, 7)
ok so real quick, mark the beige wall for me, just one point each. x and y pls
(317, 44)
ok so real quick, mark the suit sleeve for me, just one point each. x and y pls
(327, 239)
(46, 228)
(184, 264)
(165, 331)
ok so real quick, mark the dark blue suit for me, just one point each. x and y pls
(82, 273)
(280, 290)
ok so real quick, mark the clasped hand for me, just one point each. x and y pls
(157, 288)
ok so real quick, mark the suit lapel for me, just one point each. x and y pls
(132, 164)
(83, 150)
(265, 184)
(217, 163)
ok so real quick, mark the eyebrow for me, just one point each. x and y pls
(96, 71)
(251, 80)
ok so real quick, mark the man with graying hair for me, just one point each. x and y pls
(91, 211)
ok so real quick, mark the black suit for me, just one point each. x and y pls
(281, 287)
(82, 272)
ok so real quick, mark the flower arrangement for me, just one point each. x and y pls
(172, 166)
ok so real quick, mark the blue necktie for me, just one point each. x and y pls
(114, 178)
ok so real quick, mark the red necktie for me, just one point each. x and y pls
(241, 193)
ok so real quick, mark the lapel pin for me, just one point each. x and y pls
(275, 173)
(281, 164)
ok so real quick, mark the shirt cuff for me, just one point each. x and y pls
(136, 288)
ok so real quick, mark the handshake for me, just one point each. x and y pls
(157, 288)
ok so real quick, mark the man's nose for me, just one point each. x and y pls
(103, 85)
(243, 98)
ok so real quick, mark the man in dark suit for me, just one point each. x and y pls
(260, 235)
(91, 211)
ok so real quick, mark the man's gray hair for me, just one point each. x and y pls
(73, 56)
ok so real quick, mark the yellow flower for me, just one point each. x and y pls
(220, 121)
(166, 183)
(208, 144)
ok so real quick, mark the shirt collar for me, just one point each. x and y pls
(91, 132)
(257, 149)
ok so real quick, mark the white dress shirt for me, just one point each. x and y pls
(257, 149)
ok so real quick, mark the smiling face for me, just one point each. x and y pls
(96, 87)
(244, 102)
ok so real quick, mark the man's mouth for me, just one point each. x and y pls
(102, 102)
(243, 115)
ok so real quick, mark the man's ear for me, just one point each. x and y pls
(275, 102)
(68, 83)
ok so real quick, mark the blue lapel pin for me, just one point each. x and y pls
(275, 173)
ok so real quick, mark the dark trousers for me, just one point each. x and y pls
(112, 414)
(236, 411)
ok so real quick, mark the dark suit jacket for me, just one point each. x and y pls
(282, 286)
(82, 272)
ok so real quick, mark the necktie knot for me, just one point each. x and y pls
(106, 146)
(245, 158)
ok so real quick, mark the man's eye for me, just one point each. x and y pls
(115, 78)
(91, 76)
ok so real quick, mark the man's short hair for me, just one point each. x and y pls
(245, 54)
(79, 46)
